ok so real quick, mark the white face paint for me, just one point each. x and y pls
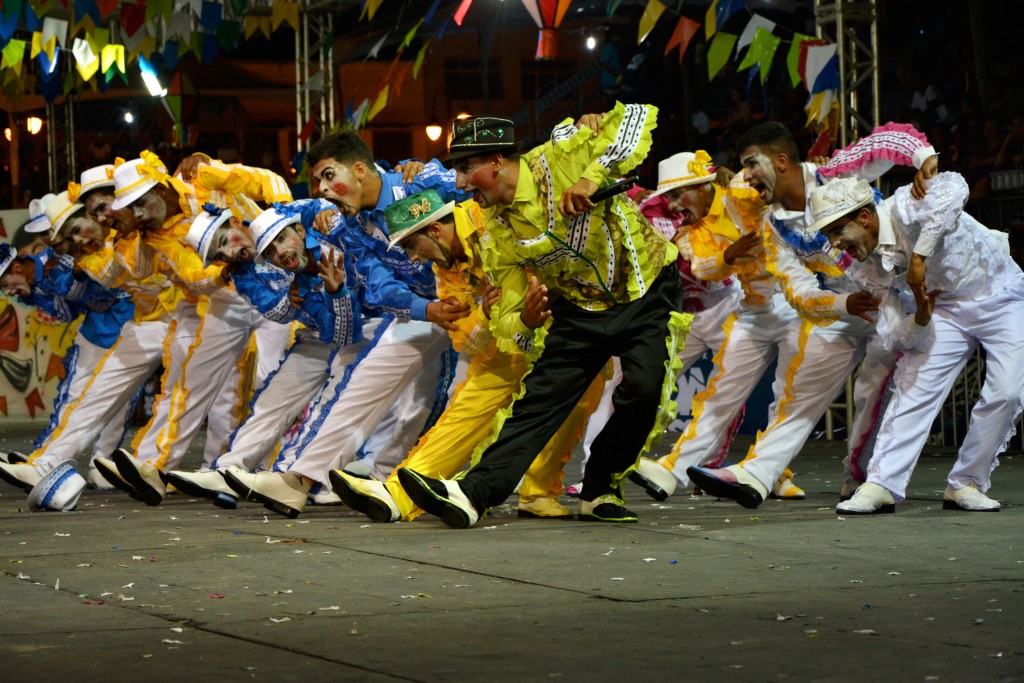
(759, 173)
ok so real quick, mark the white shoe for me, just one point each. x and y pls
(440, 497)
(969, 499)
(58, 490)
(368, 496)
(870, 499)
(205, 484)
(658, 482)
(142, 476)
(785, 489)
(22, 475)
(321, 495)
(96, 481)
(282, 492)
(547, 507)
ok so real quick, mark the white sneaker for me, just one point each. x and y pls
(969, 499)
(658, 482)
(96, 481)
(368, 496)
(282, 492)
(205, 484)
(870, 499)
(22, 475)
(143, 477)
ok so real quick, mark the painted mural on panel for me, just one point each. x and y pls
(32, 348)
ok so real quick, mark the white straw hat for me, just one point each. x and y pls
(682, 170)
(59, 490)
(837, 198)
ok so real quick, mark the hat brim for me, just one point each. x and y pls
(127, 198)
(271, 234)
(685, 183)
(466, 153)
(204, 252)
(419, 225)
(817, 225)
(39, 225)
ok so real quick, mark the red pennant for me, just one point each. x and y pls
(396, 87)
(132, 18)
(821, 146)
(107, 6)
(307, 129)
(34, 402)
(802, 64)
(3, 405)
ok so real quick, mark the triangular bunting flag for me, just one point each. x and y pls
(719, 51)
(14, 54)
(284, 11)
(371, 7)
(378, 104)
(684, 32)
(650, 17)
(112, 55)
(793, 58)
(756, 22)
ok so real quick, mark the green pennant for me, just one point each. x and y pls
(325, 49)
(163, 8)
(410, 35)
(237, 7)
(69, 82)
(40, 7)
(793, 58)
(718, 53)
(228, 33)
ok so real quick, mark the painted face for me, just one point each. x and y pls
(692, 202)
(84, 233)
(339, 185)
(232, 243)
(150, 211)
(851, 237)
(288, 250)
(422, 246)
(478, 176)
(759, 172)
(14, 282)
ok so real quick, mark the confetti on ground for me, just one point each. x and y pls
(782, 617)
(281, 620)
(867, 631)
(216, 596)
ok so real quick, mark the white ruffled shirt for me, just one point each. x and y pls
(965, 259)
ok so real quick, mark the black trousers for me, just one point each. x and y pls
(578, 345)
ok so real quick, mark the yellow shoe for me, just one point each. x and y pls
(785, 489)
(544, 508)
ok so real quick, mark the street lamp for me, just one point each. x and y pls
(33, 124)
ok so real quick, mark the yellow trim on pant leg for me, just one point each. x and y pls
(179, 399)
(787, 393)
(697, 406)
(172, 326)
(70, 408)
(490, 382)
(545, 477)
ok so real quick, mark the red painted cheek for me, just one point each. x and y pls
(339, 189)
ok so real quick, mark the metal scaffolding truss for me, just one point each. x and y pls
(62, 164)
(314, 70)
(852, 25)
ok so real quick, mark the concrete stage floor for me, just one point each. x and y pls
(699, 590)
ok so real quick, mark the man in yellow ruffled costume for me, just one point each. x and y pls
(722, 238)
(449, 236)
(212, 323)
(605, 277)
